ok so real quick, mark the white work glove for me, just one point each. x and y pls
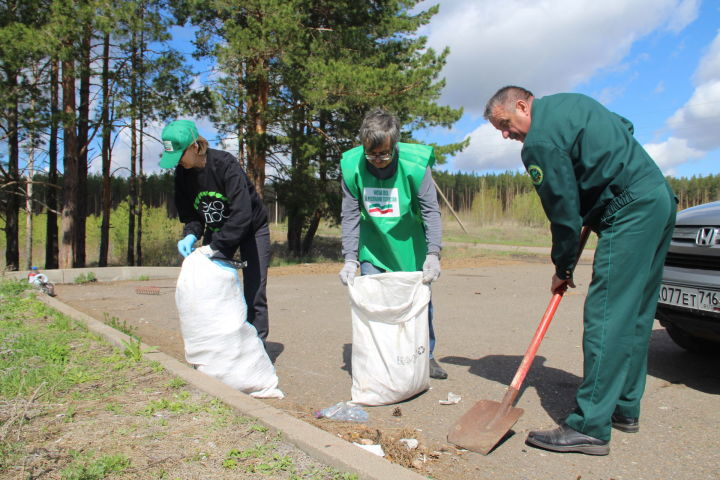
(431, 268)
(347, 274)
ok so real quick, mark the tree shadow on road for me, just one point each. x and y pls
(670, 362)
(555, 387)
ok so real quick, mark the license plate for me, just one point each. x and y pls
(695, 298)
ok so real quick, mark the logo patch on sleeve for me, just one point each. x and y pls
(536, 174)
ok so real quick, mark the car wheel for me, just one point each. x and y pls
(692, 343)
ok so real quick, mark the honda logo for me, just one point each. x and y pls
(706, 236)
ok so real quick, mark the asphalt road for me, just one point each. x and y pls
(485, 318)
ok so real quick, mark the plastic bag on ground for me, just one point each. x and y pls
(390, 337)
(344, 412)
(213, 321)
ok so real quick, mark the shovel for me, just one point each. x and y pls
(487, 422)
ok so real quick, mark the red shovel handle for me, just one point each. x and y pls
(544, 324)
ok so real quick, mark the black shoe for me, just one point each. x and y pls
(565, 439)
(625, 424)
(436, 371)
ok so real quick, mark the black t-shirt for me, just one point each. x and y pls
(218, 202)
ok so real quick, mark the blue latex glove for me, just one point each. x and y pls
(185, 246)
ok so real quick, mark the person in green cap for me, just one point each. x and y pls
(588, 169)
(218, 203)
(390, 213)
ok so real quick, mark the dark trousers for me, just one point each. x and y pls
(633, 240)
(256, 252)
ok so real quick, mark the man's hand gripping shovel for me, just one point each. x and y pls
(487, 422)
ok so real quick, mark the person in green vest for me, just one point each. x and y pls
(588, 169)
(390, 213)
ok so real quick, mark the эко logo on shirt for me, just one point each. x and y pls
(212, 206)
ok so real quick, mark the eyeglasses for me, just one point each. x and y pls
(383, 157)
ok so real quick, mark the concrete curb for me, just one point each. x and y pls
(321, 445)
(102, 274)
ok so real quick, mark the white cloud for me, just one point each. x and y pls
(152, 148)
(709, 68)
(120, 160)
(547, 47)
(684, 14)
(672, 153)
(555, 46)
(697, 122)
(608, 94)
(488, 151)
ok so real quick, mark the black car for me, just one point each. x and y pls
(689, 300)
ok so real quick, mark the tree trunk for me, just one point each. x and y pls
(241, 124)
(51, 227)
(294, 234)
(79, 258)
(310, 232)
(29, 201)
(138, 242)
(70, 167)
(132, 195)
(141, 117)
(106, 152)
(12, 207)
(258, 93)
(295, 215)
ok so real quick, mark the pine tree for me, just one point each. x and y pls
(354, 55)
(297, 78)
(21, 50)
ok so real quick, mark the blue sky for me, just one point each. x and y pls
(656, 62)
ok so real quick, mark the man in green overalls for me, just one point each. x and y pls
(390, 213)
(588, 169)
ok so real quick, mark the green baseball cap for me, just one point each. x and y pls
(176, 137)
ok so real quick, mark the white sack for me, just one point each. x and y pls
(213, 321)
(390, 360)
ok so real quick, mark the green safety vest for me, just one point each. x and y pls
(392, 234)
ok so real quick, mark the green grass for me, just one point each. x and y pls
(160, 236)
(123, 327)
(521, 222)
(506, 234)
(88, 277)
(85, 467)
(262, 459)
(324, 249)
(39, 359)
(77, 382)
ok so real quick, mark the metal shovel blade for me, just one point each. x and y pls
(483, 426)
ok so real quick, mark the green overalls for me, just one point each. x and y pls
(589, 170)
(392, 235)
